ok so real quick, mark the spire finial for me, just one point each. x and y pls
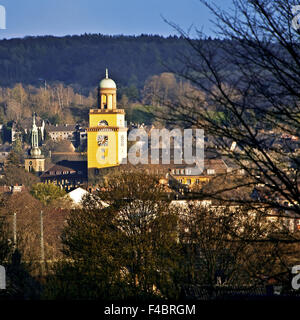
(106, 73)
(34, 133)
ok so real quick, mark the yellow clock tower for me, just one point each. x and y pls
(107, 133)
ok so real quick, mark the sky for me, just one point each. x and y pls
(111, 17)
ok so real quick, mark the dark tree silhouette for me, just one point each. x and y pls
(246, 90)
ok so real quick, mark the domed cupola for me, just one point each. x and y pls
(107, 94)
(107, 83)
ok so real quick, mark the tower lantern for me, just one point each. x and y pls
(107, 93)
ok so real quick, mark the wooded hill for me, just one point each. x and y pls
(80, 61)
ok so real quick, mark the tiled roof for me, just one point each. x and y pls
(61, 128)
(66, 168)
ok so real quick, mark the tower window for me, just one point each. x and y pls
(103, 123)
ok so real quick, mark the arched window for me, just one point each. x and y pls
(103, 123)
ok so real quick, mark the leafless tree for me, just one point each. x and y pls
(250, 77)
(232, 246)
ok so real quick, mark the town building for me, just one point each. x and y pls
(5, 149)
(62, 132)
(69, 175)
(35, 162)
(76, 196)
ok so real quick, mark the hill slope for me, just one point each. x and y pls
(81, 60)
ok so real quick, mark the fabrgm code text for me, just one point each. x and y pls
(165, 309)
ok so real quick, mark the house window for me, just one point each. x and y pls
(210, 171)
(188, 181)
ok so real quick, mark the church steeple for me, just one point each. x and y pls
(35, 162)
(34, 134)
(35, 150)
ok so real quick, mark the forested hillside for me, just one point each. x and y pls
(56, 77)
(80, 61)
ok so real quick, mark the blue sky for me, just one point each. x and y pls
(129, 17)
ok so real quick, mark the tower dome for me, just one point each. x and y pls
(35, 152)
(107, 83)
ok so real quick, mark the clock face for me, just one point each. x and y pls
(102, 140)
(103, 123)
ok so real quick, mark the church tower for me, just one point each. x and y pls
(107, 134)
(35, 162)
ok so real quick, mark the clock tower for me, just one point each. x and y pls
(107, 134)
